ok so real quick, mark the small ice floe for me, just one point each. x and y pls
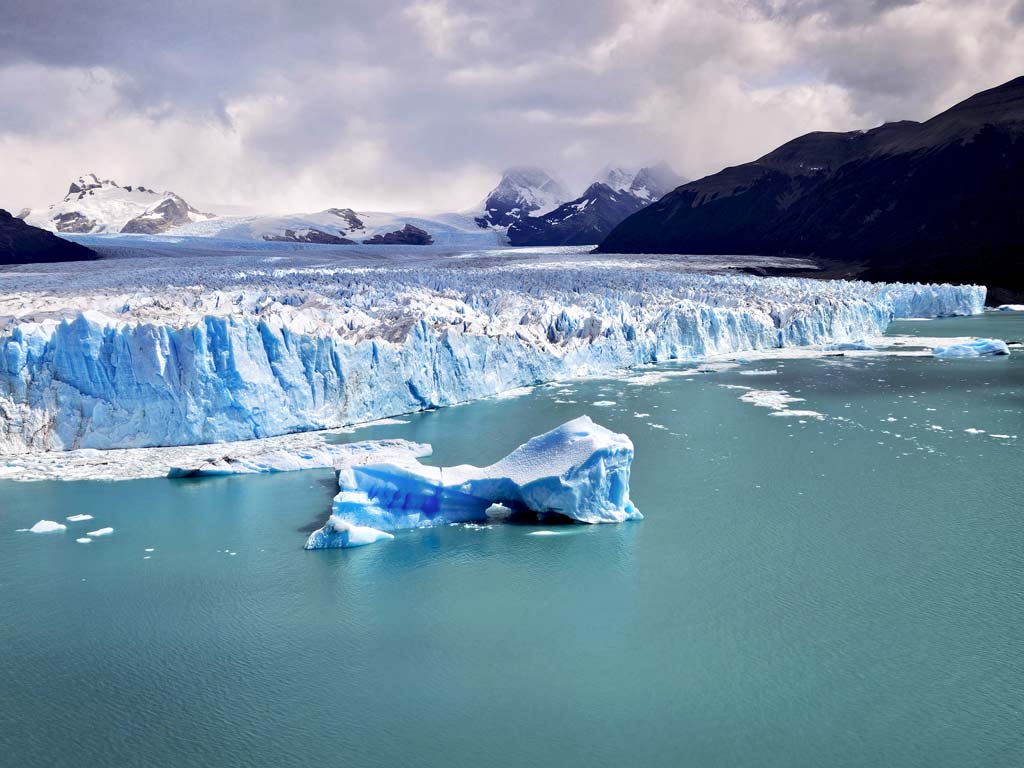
(640, 415)
(150, 549)
(603, 403)
(100, 532)
(382, 423)
(974, 431)
(849, 346)
(654, 378)
(1003, 437)
(976, 348)
(542, 533)
(84, 540)
(338, 533)
(1011, 308)
(248, 461)
(778, 401)
(509, 394)
(497, 512)
(78, 518)
(801, 414)
(47, 526)
(760, 372)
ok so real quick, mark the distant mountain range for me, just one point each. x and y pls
(941, 200)
(591, 216)
(527, 207)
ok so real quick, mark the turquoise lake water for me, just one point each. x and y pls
(837, 592)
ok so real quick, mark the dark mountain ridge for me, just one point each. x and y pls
(21, 243)
(941, 200)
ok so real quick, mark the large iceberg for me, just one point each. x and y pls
(238, 349)
(975, 348)
(579, 471)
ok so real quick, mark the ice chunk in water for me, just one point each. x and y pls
(976, 348)
(47, 526)
(579, 470)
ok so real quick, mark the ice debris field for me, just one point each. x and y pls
(579, 471)
(252, 346)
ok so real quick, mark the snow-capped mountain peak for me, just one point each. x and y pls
(93, 205)
(653, 182)
(618, 178)
(522, 191)
(617, 193)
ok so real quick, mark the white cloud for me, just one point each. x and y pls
(405, 106)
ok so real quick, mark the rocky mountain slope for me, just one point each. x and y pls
(940, 200)
(21, 243)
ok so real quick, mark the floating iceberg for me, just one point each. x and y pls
(100, 532)
(1011, 307)
(976, 348)
(579, 470)
(340, 534)
(47, 526)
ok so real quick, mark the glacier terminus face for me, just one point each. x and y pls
(262, 344)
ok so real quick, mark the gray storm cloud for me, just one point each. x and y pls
(299, 106)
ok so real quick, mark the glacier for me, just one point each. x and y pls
(247, 346)
(579, 470)
(975, 348)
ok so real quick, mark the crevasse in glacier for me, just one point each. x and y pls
(579, 470)
(260, 352)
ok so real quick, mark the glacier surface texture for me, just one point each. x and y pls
(244, 348)
(579, 470)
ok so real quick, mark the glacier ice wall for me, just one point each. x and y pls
(270, 351)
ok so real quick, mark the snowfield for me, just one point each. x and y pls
(178, 349)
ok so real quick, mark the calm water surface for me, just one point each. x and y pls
(843, 592)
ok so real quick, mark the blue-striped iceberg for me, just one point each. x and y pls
(579, 471)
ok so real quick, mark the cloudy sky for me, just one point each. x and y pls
(286, 105)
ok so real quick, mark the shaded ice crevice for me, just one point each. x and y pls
(320, 350)
(579, 471)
